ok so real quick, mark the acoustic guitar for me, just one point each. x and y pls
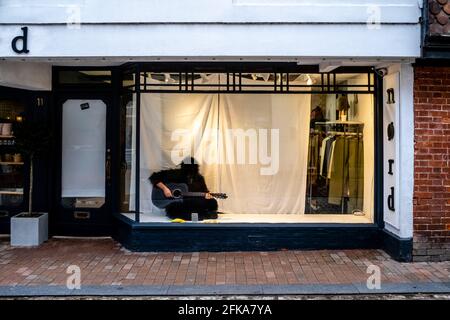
(179, 191)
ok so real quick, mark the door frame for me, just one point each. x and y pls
(100, 220)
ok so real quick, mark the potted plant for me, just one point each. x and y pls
(30, 228)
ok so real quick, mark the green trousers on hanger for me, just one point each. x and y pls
(347, 173)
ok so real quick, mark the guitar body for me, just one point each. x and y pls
(179, 190)
(160, 200)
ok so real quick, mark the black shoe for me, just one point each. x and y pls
(211, 215)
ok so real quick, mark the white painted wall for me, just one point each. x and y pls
(391, 149)
(26, 75)
(216, 41)
(219, 28)
(207, 11)
(400, 222)
(119, 30)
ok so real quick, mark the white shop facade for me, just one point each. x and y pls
(302, 113)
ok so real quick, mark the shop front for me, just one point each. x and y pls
(300, 146)
(291, 147)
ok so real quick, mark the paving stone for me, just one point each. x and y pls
(104, 262)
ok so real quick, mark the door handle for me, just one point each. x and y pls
(108, 166)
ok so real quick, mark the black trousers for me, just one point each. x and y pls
(206, 209)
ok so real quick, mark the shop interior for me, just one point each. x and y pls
(11, 161)
(284, 148)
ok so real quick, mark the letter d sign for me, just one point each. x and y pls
(23, 38)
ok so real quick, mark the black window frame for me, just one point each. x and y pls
(374, 88)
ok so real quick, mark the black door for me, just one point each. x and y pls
(83, 184)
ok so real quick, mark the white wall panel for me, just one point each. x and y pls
(275, 40)
(24, 75)
(225, 11)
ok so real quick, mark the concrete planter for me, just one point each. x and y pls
(29, 231)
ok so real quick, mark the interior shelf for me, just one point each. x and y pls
(12, 173)
(11, 192)
(10, 163)
(348, 122)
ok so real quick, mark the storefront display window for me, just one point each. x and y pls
(341, 153)
(283, 147)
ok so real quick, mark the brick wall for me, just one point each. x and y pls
(432, 164)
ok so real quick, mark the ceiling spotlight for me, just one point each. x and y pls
(266, 76)
(309, 82)
(254, 76)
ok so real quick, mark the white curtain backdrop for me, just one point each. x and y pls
(272, 177)
(249, 190)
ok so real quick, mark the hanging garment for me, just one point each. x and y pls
(342, 103)
(330, 164)
(347, 173)
(338, 174)
(313, 150)
(327, 156)
(356, 174)
(313, 156)
(322, 153)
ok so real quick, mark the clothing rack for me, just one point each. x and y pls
(343, 129)
(338, 133)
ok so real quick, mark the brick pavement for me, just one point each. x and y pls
(105, 262)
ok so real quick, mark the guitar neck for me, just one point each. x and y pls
(194, 194)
